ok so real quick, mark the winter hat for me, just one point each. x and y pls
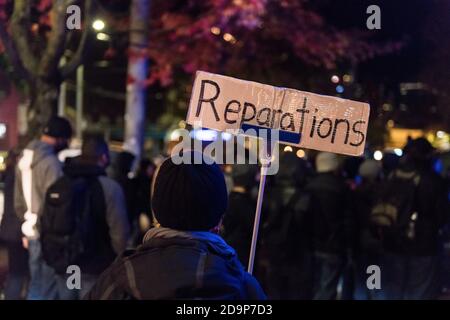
(189, 197)
(58, 127)
(326, 162)
(370, 169)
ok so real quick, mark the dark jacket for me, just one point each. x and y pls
(433, 212)
(368, 239)
(116, 213)
(177, 265)
(112, 228)
(286, 231)
(330, 215)
(238, 224)
(10, 227)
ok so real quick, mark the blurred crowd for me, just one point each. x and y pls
(40, 246)
(326, 221)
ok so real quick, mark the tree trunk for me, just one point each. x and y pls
(137, 73)
(44, 104)
(42, 71)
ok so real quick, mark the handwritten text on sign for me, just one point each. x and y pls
(322, 122)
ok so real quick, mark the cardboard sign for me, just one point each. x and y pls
(303, 119)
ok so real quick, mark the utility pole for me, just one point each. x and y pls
(137, 72)
(79, 101)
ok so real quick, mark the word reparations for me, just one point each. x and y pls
(305, 119)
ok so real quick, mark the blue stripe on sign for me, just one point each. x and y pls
(289, 136)
(283, 136)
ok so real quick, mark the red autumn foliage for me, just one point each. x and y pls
(231, 35)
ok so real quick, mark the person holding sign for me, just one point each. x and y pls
(277, 115)
(183, 257)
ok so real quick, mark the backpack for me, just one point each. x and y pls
(73, 210)
(395, 210)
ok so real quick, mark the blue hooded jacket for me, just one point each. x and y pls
(177, 265)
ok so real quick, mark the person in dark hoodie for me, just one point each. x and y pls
(285, 233)
(110, 229)
(368, 246)
(331, 225)
(10, 233)
(37, 169)
(183, 257)
(413, 248)
(239, 218)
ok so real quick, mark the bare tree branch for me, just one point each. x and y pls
(48, 66)
(12, 53)
(79, 55)
(20, 23)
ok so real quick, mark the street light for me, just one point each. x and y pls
(347, 78)
(301, 153)
(378, 155)
(335, 79)
(215, 30)
(398, 152)
(228, 37)
(102, 36)
(98, 25)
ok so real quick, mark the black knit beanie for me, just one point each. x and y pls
(189, 197)
(58, 127)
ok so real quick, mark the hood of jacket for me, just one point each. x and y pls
(77, 167)
(212, 240)
(185, 265)
(40, 151)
